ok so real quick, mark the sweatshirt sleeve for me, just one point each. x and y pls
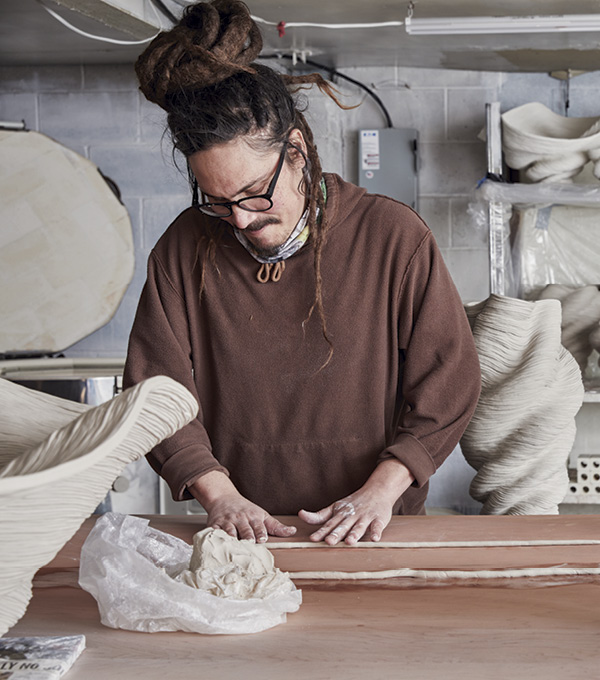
(159, 344)
(441, 378)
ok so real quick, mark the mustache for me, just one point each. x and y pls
(259, 224)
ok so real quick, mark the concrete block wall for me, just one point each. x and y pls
(97, 111)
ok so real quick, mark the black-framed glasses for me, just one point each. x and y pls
(250, 203)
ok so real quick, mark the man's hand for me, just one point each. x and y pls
(228, 510)
(366, 512)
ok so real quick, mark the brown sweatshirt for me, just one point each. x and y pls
(403, 381)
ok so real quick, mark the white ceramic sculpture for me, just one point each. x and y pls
(547, 146)
(580, 318)
(58, 459)
(66, 252)
(523, 428)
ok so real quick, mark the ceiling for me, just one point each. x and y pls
(29, 35)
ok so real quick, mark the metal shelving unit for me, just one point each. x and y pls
(500, 196)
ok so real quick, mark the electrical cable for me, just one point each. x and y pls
(335, 72)
(114, 41)
(158, 3)
(306, 24)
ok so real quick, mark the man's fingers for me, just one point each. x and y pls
(276, 528)
(332, 527)
(316, 517)
(376, 529)
(357, 532)
(230, 528)
(340, 532)
(260, 530)
(244, 530)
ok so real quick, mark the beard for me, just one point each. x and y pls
(263, 251)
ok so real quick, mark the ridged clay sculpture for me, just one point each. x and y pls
(58, 460)
(523, 428)
(549, 147)
(580, 318)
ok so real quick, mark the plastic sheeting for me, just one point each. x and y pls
(130, 570)
(549, 233)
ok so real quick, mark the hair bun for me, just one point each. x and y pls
(213, 41)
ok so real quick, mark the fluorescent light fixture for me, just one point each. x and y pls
(563, 23)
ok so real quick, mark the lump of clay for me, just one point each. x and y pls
(227, 567)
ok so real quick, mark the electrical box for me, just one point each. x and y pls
(388, 163)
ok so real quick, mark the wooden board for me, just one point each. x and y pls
(352, 632)
(355, 630)
(411, 529)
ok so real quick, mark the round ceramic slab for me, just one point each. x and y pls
(66, 246)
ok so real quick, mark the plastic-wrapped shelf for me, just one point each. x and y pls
(544, 242)
(539, 234)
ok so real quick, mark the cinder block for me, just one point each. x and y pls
(157, 215)
(435, 211)
(367, 114)
(420, 109)
(521, 88)
(153, 124)
(451, 168)
(470, 272)
(584, 102)
(86, 117)
(423, 109)
(590, 79)
(413, 77)
(466, 112)
(139, 170)
(19, 106)
(465, 231)
(66, 78)
(449, 78)
(134, 210)
(328, 126)
(109, 77)
(350, 156)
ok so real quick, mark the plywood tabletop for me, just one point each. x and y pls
(355, 630)
(434, 529)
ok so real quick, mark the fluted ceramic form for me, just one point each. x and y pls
(523, 428)
(547, 146)
(58, 460)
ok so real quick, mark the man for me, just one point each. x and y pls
(316, 324)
